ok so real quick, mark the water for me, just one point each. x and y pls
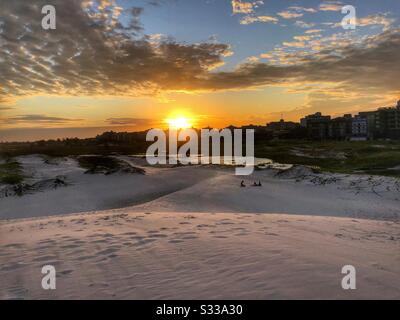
(260, 163)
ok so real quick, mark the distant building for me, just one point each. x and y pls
(359, 128)
(388, 122)
(372, 124)
(282, 125)
(341, 128)
(317, 126)
(282, 128)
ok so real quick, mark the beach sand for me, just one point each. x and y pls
(127, 255)
(193, 233)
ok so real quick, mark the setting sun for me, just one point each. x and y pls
(179, 122)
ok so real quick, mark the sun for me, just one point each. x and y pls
(179, 122)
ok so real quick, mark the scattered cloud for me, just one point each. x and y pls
(304, 25)
(331, 6)
(92, 53)
(294, 44)
(4, 108)
(313, 31)
(254, 19)
(303, 9)
(366, 67)
(245, 7)
(295, 12)
(36, 119)
(376, 19)
(128, 121)
(290, 14)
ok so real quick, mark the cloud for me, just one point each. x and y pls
(368, 67)
(304, 25)
(248, 8)
(379, 19)
(290, 14)
(294, 44)
(128, 121)
(331, 6)
(91, 52)
(302, 9)
(376, 19)
(5, 108)
(313, 31)
(245, 7)
(36, 119)
(295, 12)
(254, 19)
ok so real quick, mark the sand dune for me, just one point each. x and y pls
(193, 232)
(126, 255)
(203, 189)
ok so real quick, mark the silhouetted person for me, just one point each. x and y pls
(259, 184)
(242, 184)
(255, 184)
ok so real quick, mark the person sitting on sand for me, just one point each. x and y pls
(255, 184)
(242, 184)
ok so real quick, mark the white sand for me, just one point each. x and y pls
(193, 233)
(126, 255)
(202, 189)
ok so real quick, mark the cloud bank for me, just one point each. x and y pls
(92, 53)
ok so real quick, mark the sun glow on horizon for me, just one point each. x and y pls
(179, 122)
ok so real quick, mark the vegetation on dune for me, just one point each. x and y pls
(106, 165)
(11, 172)
(370, 157)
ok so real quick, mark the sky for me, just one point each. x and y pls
(128, 65)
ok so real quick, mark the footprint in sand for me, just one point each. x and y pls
(84, 258)
(158, 236)
(108, 251)
(189, 238)
(45, 258)
(12, 266)
(205, 226)
(14, 245)
(129, 233)
(271, 234)
(141, 243)
(176, 241)
(66, 272)
(139, 238)
(99, 241)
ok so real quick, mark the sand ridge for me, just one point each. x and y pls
(128, 255)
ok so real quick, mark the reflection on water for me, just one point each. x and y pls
(260, 163)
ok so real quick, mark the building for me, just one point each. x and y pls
(359, 129)
(317, 126)
(340, 128)
(372, 124)
(282, 128)
(282, 125)
(387, 122)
